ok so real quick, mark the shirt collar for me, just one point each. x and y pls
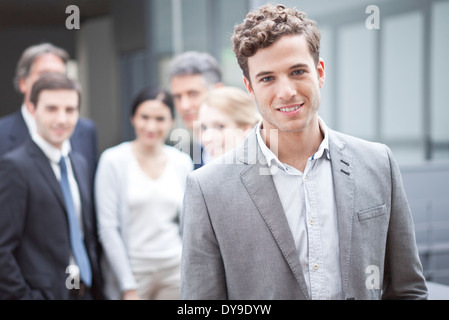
(324, 146)
(52, 153)
(29, 119)
(273, 159)
(268, 154)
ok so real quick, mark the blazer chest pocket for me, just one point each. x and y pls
(372, 212)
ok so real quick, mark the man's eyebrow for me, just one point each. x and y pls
(300, 65)
(296, 66)
(263, 73)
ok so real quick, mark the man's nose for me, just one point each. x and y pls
(62, 116)
(286, 89)
(185, 103)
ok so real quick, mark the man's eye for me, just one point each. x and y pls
(298, 72)
(267, 79)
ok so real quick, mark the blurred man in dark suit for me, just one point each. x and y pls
(48, 236)
(16, 127)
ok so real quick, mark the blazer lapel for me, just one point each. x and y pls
(344, 188)
(44, 167)
(260, 186)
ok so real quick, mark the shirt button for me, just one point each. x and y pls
(305, 178)
(315, 266)
(311, 221)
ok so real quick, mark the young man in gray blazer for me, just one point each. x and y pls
(298, 211)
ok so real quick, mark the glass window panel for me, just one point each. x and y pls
(440, 71)
(356, 81)
(402, 76)
(441, 155)
(232, 12)
(195, 15)
(408, 155)
(161, 26)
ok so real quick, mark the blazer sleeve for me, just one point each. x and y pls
(202, 270)
(13, 195)
(403, 270)
(108, 186)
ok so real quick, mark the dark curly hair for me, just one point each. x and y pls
(263, 26)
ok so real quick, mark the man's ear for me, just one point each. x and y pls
(321, 73)
(31, 108)
(248, 86)
(22, 85)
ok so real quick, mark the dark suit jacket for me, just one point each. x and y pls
(14, 132)
(34, 232)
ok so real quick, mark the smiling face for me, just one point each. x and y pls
(285, 83)
(152, 122)
(56, 115)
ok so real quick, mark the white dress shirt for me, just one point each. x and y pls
(54, 156)
(309, 204)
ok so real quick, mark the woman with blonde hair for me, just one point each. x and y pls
(226, 116)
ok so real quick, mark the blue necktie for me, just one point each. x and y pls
(76, 239)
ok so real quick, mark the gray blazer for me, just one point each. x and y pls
(237, 243)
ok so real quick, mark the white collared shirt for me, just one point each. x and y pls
(54, 155)
(309, 204)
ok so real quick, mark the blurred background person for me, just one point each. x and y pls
(192, 75)
(225, 117)
(48, 237)
(139, 191)
(17, 126)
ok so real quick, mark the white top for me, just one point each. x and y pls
(309, 204)
(115, 220)
(154, 205)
